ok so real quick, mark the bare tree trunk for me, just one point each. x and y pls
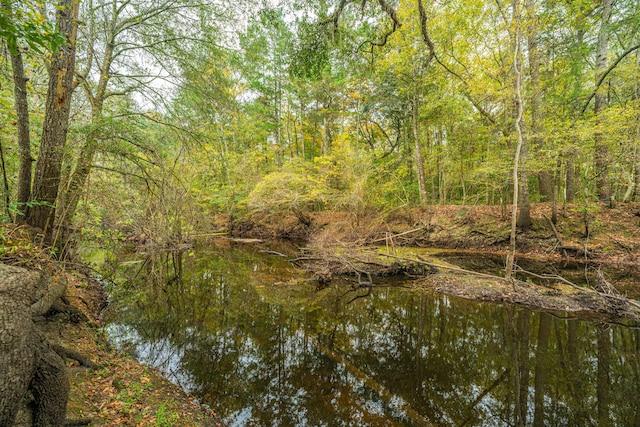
(520, 138)
(22, 124)
(570, 182)
(524, 215)
(601, 150)
(7, 198)
(69, 200)
(327, 137)
(418, 150)
(56, 122)
(24, 141)
(544, 175)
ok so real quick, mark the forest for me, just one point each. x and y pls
(131, 117)
(510, 129)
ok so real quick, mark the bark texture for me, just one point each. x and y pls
(24, 142)
(27, 362)
(22, 123)
(418, 150)
(56, 122)
(601, 150)
(17, 364)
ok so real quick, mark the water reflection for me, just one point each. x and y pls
(247, 334)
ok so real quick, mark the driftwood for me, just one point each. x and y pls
(435, 266)
(557, 235)
(393, 236)
(325, 265)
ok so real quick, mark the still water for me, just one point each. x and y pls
(256, 340)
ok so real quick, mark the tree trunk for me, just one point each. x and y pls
(5, 180)
(544, 175)
(636, 191)
(422, 184)
(520, 138)
(601, 150)
(56, 122)
(78, 179)
(524, 214)
(327, 138)
(27, 362)
(22, 124)
(24, 142)
(17, 363)
(570, 179)
(524, 205)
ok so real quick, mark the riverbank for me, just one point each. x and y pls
(108, 387)
(339, 243)
(595, 234)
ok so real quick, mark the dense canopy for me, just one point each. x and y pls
(155, 114)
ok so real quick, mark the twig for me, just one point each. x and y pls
(273, 253)
(393, 236)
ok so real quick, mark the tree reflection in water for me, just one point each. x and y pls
(238, 329)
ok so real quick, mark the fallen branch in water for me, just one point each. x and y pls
(422, 261)
(581, 288)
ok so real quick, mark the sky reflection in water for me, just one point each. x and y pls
(250, 336)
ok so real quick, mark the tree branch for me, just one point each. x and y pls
(605, 74)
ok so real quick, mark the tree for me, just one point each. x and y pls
(601, 151)
(118, 38)
(56, 122)
(28, 364)
(517, 176)
(24, 25)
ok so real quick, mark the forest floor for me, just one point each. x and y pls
(401, 241)
(117, 390)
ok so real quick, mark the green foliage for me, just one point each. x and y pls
(18, 209)
(288, 191)
(23, 23)
(310, 57)
(165, 418)
(295, 110)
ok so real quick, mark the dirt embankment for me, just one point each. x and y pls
(108, 388)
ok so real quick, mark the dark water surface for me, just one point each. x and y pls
(254, 339)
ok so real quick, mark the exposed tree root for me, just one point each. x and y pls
(67, 353)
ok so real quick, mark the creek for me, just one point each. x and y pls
(257, 340)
